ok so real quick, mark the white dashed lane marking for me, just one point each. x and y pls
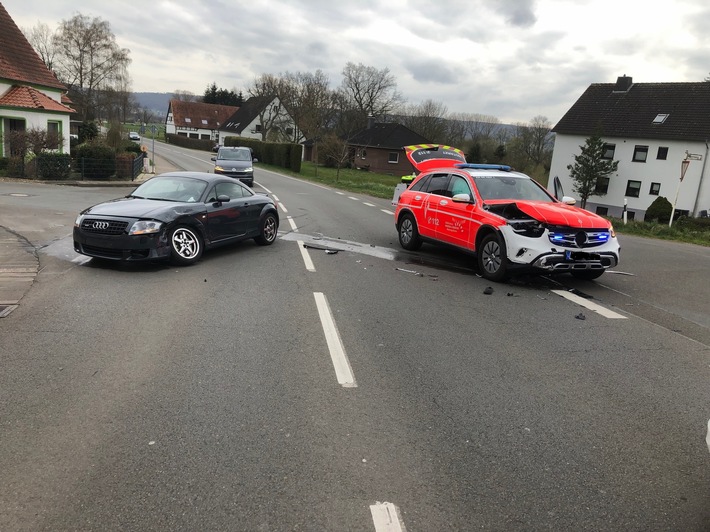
(589, 305)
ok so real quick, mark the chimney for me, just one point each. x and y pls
(623, 83)
(370, 121)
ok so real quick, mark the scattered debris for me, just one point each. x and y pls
(543, 298)
(205, 280)
(488, 291)
(407, 271)
(620, 273)
(331, 251)
(321, 248)
(581, 316)
(510, 294)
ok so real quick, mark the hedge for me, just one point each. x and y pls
(53, 166)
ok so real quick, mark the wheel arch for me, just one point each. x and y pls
(483, 232)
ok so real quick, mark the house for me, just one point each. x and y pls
(30, 94)
(262, 118)
(197, 120)
(649, 128)
(380, 147)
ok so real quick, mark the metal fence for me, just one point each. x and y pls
(121, 168)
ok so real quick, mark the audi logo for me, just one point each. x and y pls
(100, 225)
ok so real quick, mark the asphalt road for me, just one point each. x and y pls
(291, 388)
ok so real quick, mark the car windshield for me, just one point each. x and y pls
(235, 155)
(510, 187)
(171, 188)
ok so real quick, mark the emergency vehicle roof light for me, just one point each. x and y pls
(477, 166)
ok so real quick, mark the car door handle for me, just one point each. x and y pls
(417, 197)
(443, 202)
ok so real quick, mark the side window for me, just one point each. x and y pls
(420, 184)
(438, 184)
(233, 190)
(458, 185)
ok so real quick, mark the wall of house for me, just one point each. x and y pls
(377, 160)
(665, 172)
(35, 120)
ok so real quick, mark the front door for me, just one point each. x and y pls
(455, 218)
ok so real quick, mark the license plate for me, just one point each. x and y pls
(573, 256)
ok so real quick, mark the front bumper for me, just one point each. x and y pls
(539, 253)
(122, 247)
(244, 177)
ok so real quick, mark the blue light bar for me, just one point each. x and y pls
(479, 166)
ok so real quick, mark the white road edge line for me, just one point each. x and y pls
(368, 204)
(343, 371)
(282, 207)
(353, 198)
(306, 256)
(387, 212)
(589, 304)
(292, 224)
(386, 518)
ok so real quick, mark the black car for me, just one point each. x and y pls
(237, 162)
(176, 216)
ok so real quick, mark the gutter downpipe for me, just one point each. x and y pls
(700, 183)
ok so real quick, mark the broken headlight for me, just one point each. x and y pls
(529, 228)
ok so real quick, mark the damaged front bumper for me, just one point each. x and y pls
(541, 254)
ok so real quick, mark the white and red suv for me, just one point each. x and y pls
(506, 218)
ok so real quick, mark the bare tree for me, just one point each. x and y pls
(184, 96)
(535, 140)
(42, 40)
(372, 92)
(429, 119)
(273, 117)
(88, 59)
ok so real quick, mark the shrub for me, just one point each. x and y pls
(659, 210)
(95, 161)
(53, 166)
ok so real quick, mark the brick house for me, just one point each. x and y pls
(379, 147)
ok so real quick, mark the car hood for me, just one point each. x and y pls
(138, 208)
(228, 163)
(427, 156)
(551, 213)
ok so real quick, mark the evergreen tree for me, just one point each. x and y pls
(590, 168)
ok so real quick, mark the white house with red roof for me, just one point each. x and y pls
(30, 93)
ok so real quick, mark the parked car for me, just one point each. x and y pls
(134, 136)
(176, 216)
(236, 162)
(509, 221)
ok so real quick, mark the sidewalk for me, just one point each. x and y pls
(19, 261)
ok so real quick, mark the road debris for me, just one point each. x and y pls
(581, 316)
(488, 291)
(410, 271)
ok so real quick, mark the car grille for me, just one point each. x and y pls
(578, 238)
(104, 227)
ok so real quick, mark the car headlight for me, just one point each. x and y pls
(77, 222)
(145, 227)
(529, 228)
(612, 232)
(249, 169)
(218, 169)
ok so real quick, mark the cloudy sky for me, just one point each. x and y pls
(513, 59)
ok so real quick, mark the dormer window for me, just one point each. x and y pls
(188, 120)
(660, 118)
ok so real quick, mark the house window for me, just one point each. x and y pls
(602, 211)
(289, 131)
(257, 128)
(204, 122)
(602, 186)
(393, 157)
(633, 188)
(662, 153)
(609, 150)
(655, 189)
(660, 118)
(640, 154)
(363, 153)
(630, 215)
(53, 131)
(188, 120)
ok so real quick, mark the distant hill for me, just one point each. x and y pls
(155, 102)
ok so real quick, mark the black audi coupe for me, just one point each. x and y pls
(176, 216)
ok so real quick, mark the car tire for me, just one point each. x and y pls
(185, 245)
(408, 233)
(492, 258)
(268, 229)
(587, 275)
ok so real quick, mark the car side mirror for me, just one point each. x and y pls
(255, 160)
(213, 158)
(222, 198)
(568, 200)
(461, 198)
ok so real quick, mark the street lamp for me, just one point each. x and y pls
(683, 168)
